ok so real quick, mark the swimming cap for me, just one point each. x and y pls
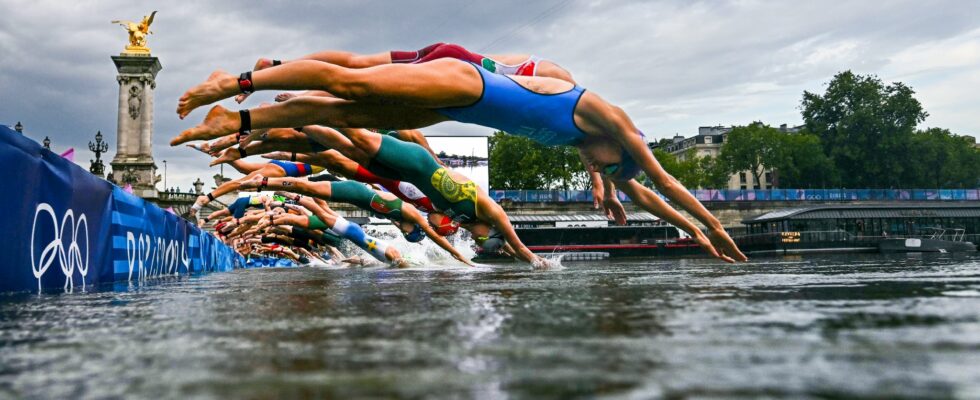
(494, 241)
(416, 235)
(446, 226)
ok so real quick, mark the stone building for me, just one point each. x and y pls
(708, 142)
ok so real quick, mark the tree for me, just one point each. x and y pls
(755, 148)
(941, 159)
(714, 175)
(803, 163)
(692, 171)
(865, 126)
(520, 163)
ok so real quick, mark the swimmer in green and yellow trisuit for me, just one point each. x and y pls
(451, 193)
(412, 224)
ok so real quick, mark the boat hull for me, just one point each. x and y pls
(924, 246)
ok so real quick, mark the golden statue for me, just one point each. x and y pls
(137, 33)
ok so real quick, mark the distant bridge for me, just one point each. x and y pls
(777, 195)
(729, 206)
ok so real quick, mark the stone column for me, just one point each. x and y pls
(133, 163)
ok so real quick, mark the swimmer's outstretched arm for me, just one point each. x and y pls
(648, 200)
(610, 203)
(218, 214)
(596, 179)
(625, 132)
(412, 214)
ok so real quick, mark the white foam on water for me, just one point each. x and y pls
(426, 255)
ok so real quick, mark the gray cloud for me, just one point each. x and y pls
(673, 65)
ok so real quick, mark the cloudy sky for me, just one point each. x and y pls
(673, 65)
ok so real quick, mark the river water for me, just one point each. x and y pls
(901, 326)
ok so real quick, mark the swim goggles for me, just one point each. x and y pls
(610, 169)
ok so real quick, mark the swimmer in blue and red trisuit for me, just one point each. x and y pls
(411, 96)
(406, 217)
(237, 208)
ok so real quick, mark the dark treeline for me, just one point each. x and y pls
(520, 163)
(859, 133)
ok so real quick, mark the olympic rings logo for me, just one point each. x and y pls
(70, 257)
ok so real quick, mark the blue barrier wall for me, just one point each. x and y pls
(64, 228)
(713, 195)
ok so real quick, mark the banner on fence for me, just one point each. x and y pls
(64, 228)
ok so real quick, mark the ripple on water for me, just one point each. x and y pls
(861, 325)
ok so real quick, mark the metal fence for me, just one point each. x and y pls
(716, 195)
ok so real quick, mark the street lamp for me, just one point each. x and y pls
(165, 175)
(98, 148)
(47, 143)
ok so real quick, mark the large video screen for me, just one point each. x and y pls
(466, 155)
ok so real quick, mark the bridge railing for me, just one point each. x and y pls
(728, 195)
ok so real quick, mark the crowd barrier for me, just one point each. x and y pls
(718, 195)
(64, 228)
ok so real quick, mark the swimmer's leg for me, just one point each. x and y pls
(353, 232)
(303, 111)
(441, 83)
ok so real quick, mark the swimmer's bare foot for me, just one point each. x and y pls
(227, 156)
(220, 85)
(281, 97)
(261, 64)
(353, 260)
(253, 183)
(217, 123)
(203, 147)
(257, 134)
(278, 155)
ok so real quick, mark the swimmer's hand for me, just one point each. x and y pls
(614, 210)
(541, 263)
(725, 246)
(597, 196)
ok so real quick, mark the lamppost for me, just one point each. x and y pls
(46, 143)
(164, 175)
(99, 147)
(19, 128)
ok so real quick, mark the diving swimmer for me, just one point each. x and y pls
(411, 96)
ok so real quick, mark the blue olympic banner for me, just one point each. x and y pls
(64, 228)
